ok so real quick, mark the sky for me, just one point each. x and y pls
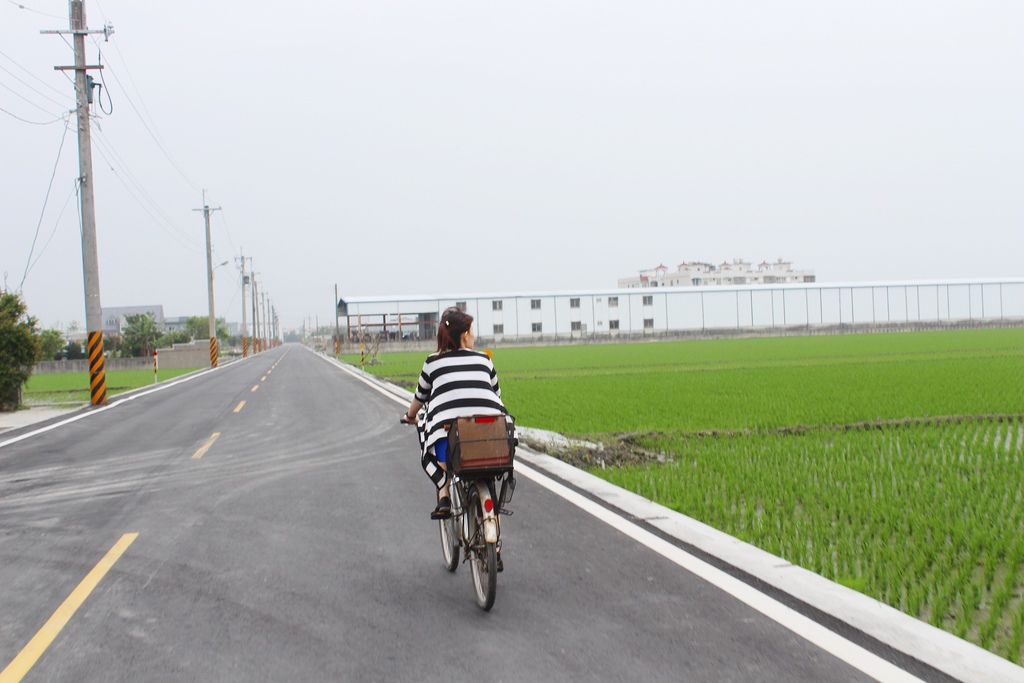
(401, 147)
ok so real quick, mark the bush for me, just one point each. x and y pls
(19, 347)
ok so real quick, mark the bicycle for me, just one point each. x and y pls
(481, 452)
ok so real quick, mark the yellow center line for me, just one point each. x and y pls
(263, 378)
(209, 442)
(31, 653)
(254, 388)
(239, 406)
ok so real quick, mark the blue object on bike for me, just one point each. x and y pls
(441, 450)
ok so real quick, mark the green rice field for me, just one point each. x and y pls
(72, 388)
(891, 463)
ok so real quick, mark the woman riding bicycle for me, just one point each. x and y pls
(455, 382)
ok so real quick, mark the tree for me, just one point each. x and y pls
(198, 327)
(18, 348)
(112, 345)
(138, 338)
(73, 351)
(51, 343)
(169, 339)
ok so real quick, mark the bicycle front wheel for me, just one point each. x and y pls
(483, 558)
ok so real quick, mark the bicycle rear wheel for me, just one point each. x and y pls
(483, 558)
(450, 534)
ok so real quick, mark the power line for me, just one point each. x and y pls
(228, 232)
(34, 123)
(33, 88)
(149, 129)
(35, 11)
(19, 95)
(56, 225)
(12, 61)
(28, 261)
(159, 218)
(106, 144)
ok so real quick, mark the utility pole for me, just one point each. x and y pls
(266, 335)
(337, 327)
(245, 328)
(90, 254)
(209, 281)
(256, 347)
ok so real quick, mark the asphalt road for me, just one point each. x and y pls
(297, 547)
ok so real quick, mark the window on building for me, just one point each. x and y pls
(613, 324)
(537, 327)
(461, 305)
(648, 301)
(648, 323)
(697, 282)
(574, 303)
(496, 305)
(576, 326)
(499, 329)
(613, 302)
(535, 304)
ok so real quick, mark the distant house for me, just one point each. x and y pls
(179, 323)
(700, 274)
(114, 317)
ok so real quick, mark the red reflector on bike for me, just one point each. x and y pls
(488, 505)
(483, 420)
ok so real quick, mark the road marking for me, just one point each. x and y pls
(31, 653)
(240, 404)
(254, 388)
(116, 402)
(829, 641)
(209, 442)
(263, 378)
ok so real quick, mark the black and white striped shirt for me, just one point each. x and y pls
(456, 384)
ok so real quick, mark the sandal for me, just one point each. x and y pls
(443, 509)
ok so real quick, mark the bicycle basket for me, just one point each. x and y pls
(482, 444)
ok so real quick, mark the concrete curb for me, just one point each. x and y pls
(932, 646)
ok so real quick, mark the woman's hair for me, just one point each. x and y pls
(454, 322)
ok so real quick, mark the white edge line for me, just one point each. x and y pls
(829, 641)
(838, 646)
(89, 412)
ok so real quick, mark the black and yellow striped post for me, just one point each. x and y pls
(245, 347)
(213, 352)
(97, 370)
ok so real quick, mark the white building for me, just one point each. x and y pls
(699, 274)
(617, 312)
